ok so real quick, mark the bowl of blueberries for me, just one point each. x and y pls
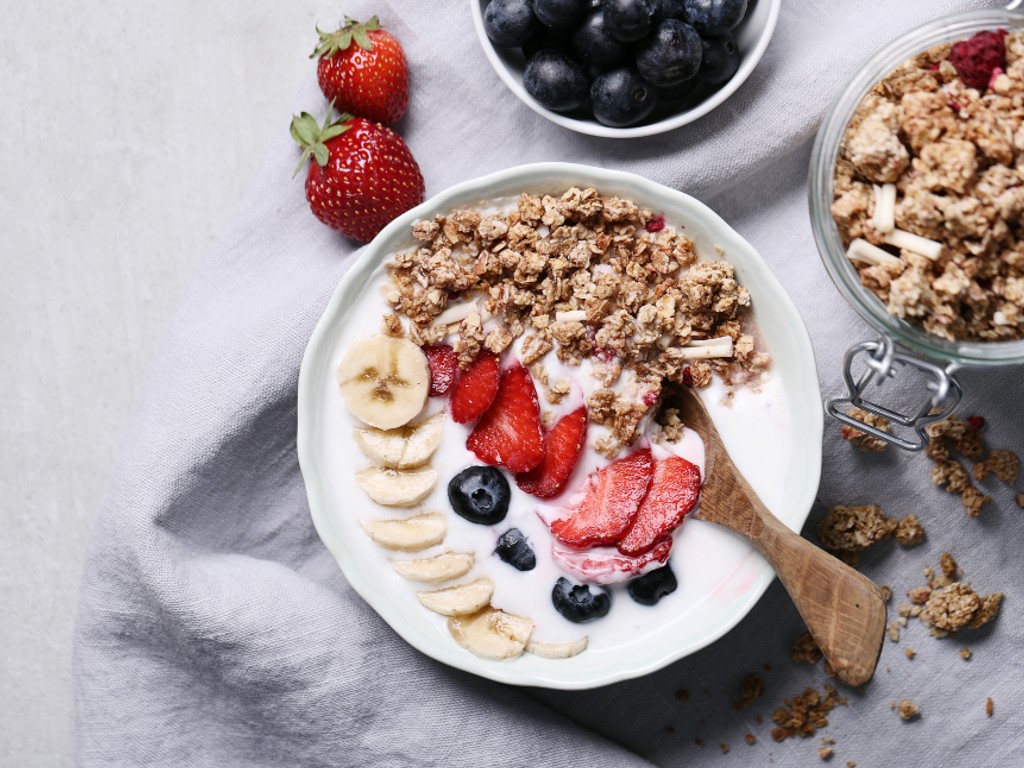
(624, 68)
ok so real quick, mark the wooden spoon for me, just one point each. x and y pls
(843, 609)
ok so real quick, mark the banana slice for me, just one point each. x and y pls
(397, 487)
(459, 600)
(491, 633)
(410, 534)
(404, 447)
(564, 650)
(384, 381)
(434, 570)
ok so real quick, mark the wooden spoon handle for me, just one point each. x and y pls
(843, 609)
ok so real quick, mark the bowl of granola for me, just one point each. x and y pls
(487, 439)
(917, 196)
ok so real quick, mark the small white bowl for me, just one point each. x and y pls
(328, 454)
(752, 37)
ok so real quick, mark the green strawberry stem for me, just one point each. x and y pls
(313, 137)
(332, 43)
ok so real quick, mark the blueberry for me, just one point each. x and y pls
(480, 494)
(621, 97)
(713, 17)
(670, 55)
(577, 603)
(509, 23)
(560, 13)
(671, 9)
(546, 38)
(515, 550)
(720, 60)
(652, 586)
(555, 81)
(628, 20)
(594, 46)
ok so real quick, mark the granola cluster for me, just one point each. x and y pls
(946, 604)
(580, 275)
(846, 531)
(926, 155)
(951, 438)
(803, 715)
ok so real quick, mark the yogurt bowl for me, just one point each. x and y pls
(720, 577)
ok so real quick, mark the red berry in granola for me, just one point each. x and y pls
(361, 174)
(610, 499)
(655, 223)
(675, 488)
(444, 368)
(562, 447)
(362, 69)
(606, 565)
(977, 423)
(475, 390)
(509, 434)
(976, 58)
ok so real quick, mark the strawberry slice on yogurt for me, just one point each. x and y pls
(607, 565)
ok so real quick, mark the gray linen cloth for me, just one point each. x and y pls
(215, 629)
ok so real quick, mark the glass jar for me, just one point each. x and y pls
(901, 344)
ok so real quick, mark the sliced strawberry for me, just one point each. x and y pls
(509, 433)
(675, 488)
(476, 388)
(444, 367)
(562, 447)
(611, 497)
(606, 565)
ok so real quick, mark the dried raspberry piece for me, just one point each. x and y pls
(656, 223)
(977, 423)
(977, 57)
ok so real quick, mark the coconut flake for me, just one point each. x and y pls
(571, 316)
(908, 241)
(704, 351)
(456, 313)
(864, 252)
(885, 208)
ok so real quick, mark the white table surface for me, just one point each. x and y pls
(131, 132)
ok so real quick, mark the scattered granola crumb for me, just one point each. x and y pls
(949, 566)
(863, 440)
(893, 633)
(1020, 500)
(918, 596)
(682, 694)
(725, 748)
(848, 528)
(851, 764)
(699, 742)
(825, 753)
(909, 531)
(806, 713)
(907, 709)
(805, 650)
(750, 690)
(910, 653)
(990, 707)
(886, 591)
(750, 738)
(966, 653)
(1001, 462)
(670, 729)
(393, 325)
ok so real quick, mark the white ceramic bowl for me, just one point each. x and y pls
(707, 604)
(752, 37)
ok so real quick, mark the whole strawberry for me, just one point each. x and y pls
(361, 174)
(362, 69)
